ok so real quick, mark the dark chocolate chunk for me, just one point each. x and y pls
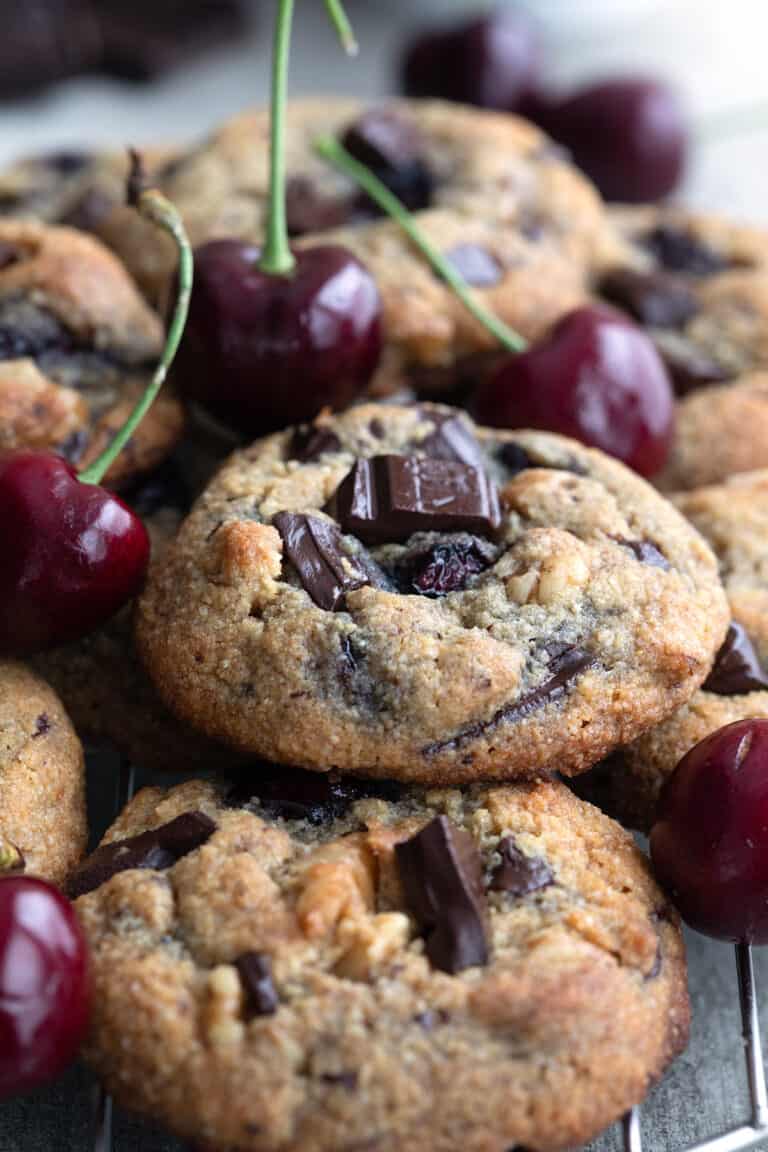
(679, 250)
(285, 793)
(517, 873)
(346, 1080)
(159, 848)
(255, 972)
(431, 1019)
(388, 498)
(690, 368)
(390, 145)
(310, 210)
(377, 428)
(327, 570)
(310, 441)
(9, 254)
(515, 458)
(42, 725)
(645, 551)
(737, 669)
(656, 299)
(435, 568)
(452, 439)
(476, 265)
(166, 487)
(442, 879)
(565, 669)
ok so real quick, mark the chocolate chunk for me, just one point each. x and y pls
(442, 880)
(655, 299)
(517, 873)
(476, 265)
(645, 551)
(388, 498)
(452, 439)
(679, 250)
(377, 429)
(565, 668)
(9, 254)
(255, 972)
(166, 487)
(326, 569)
(310, 210)
(160, 848)
(737, 669)
(391, 146)
(514, 458)
(310, 441)
(284, 793)
(346, 1080)
(690, 368)
(42, 725)
(432, 568)
(431, 1019)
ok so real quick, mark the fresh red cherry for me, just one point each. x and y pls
(630, 136)
(43, 984)
(710, 841)
(492, 61)
(261, 350)
(72, 553)
(596, 377)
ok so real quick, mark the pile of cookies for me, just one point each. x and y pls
(389, 653)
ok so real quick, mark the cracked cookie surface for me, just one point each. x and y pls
(43, 827)
(559, 609)
(77, 346)
(269, 982)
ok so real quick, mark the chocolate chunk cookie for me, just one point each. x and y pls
(395, 592)
(733, 517)
(42, 779)
(307, 963)
(77, 345)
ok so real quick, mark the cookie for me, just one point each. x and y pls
(43, 829)
(77, 346)
(395, 592)
(313, 963)
(733, 518)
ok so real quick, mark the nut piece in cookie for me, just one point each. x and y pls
(327, 964)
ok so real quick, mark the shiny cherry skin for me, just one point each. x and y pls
(710, 841)
(631, 136)
(492, 61)
(596, 377)
(72, 553)
(43, 984)
(263, 351)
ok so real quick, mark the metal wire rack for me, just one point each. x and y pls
(749, 1135)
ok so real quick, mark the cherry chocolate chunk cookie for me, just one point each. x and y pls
(325, 964)
(77, 344)
(43, 827)
(733, 518)
(394, 592)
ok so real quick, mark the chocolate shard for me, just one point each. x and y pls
(326, 569)
(452, 439)
(391, 145)
(311, 441)
(442, 880)
(679, 250)
(285, 793)
(432, 567)
(158, 849)
(565, 668)
(645, 551)
(518, 874)
(388, 498)
(690, 368)
(255, 972)
(655, 299)
(476, 265)
(515, 458)
(737, 669)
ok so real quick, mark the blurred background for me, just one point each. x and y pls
(108, 72)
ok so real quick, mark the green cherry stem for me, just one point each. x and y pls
(340, 21)
(338, 157)
(164, 215)
(277, 258)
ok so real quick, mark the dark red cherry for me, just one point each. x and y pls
(72, 553)
(262, 351)
(492, 61)
(596, 377)
(43, 984)
(710, 841)
(630, 136)
(390, 144)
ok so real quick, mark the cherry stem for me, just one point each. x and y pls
(340, 21)
(164, 214)
(277, 258)
(336, 154)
